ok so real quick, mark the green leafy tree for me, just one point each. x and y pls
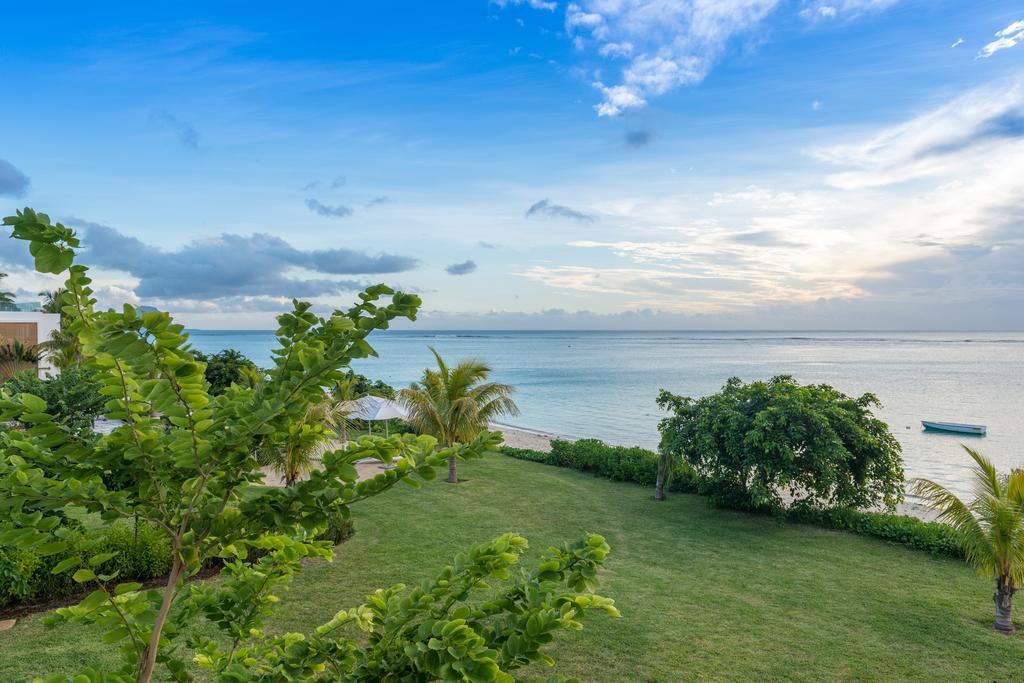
(195, 477)
(225, 368)
(751, 443)
(73, 397)
(456, 403)
(990, 528)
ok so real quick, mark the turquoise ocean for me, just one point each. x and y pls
(603, 384)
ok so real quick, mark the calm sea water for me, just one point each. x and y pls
(603, 384)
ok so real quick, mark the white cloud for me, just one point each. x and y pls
(970, 131)
(1005, 39)
(616, 49)
(535, 4)
(815, 105)
(670, 43)
(958, 42)
(822, 10)
(915, 215)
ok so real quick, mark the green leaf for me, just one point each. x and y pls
(67, 564)
(97, 560)
(51, 548)
(83, 575)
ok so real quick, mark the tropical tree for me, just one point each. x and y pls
(454, 404)
(991, 528)
(6, 297)
(298, 450)
(224, 368)
(766, 443)
(62, 346)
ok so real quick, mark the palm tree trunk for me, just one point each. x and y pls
(1004, 604)
(453, 471)
(664, 470)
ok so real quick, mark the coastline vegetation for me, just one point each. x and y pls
(185, 462)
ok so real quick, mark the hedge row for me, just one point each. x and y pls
(138, 556)
(640, 466)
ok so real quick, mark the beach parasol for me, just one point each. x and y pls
(373, 408)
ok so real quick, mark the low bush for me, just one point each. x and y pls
(618, 463)
(31, 579)
(640, 466)
(339, 529)
(933, 537)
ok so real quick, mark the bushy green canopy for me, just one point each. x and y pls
(764, 443)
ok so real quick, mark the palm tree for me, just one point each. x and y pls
(307, 440)
(455, 404)
(6, 297)
(63, 346)
(991, 528)
(16, 356)
(343, 404)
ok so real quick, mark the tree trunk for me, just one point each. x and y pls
(148, 663)
(453, 471)
(664, 470)
(1004, 604)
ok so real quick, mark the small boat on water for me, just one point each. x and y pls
(960, 428)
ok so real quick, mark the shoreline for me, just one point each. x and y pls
(535, 440)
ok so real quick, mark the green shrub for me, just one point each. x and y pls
(339, 529)
(933, 537)
(619, 463)
(139, 553)
(72, 397)
(30, 577)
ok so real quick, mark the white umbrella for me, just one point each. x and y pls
(372, 408)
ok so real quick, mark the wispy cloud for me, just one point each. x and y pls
(338, 181)
(978, 123)
(377, 201)
(915, 214)
(957, 43)
(186, 133)
(488, 245)
(549, 5)
(339, 211)
(464, 268)
(824, 10)
(1005, 39)
(13, 183)
(544, 208)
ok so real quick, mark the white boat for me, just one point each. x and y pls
(977, 430)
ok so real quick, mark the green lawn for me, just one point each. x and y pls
(704, 593)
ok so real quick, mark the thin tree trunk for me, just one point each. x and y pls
(1004, 604)
(453, 471)
(148, 663)
(664, 470)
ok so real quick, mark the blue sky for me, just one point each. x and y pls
(818, 164)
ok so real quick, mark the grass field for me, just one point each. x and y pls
(704, 593)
